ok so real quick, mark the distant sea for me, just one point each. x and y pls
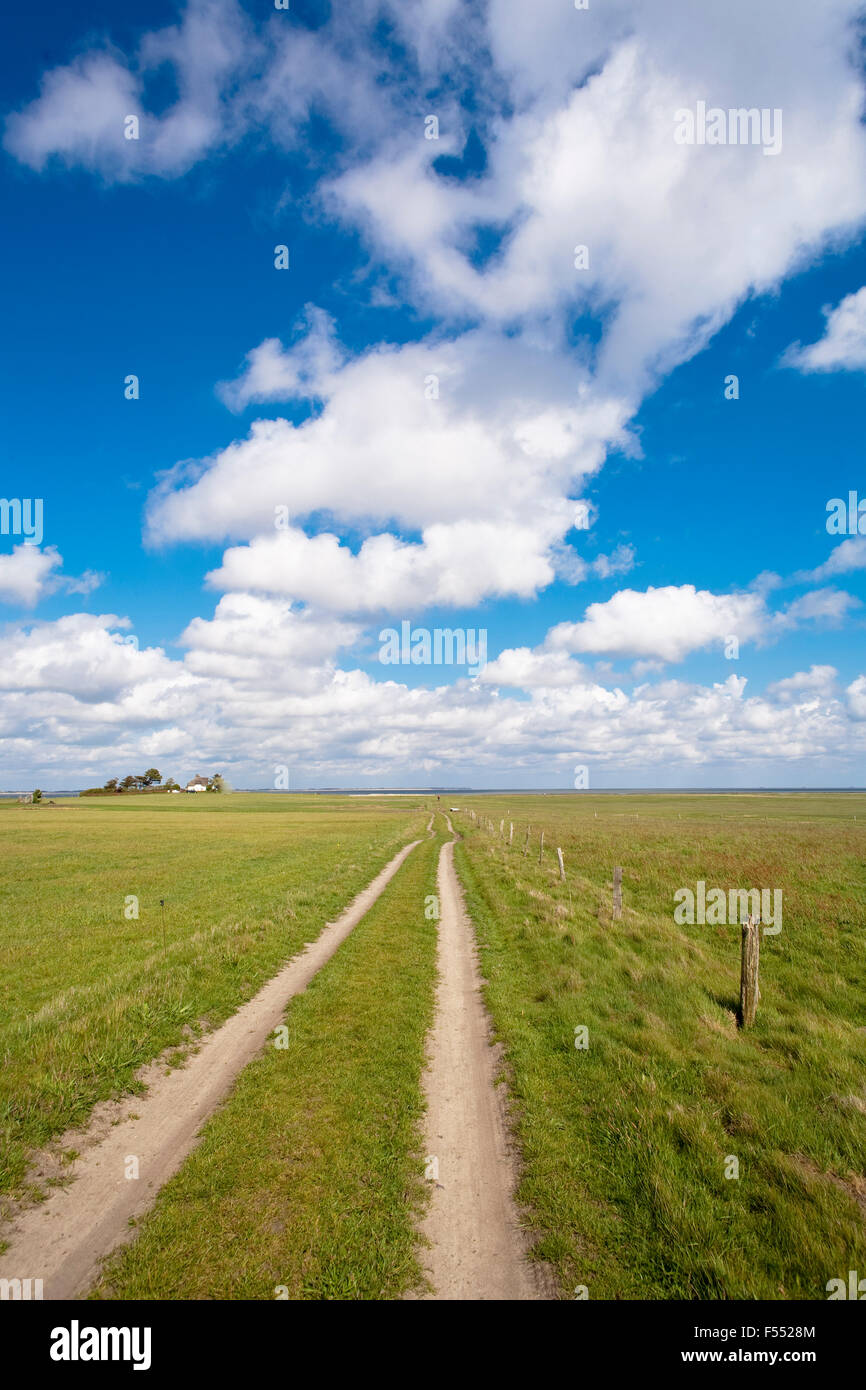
(502, 791)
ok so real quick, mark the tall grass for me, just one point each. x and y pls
(89, 994)
(309, 1179)
(628, 1143)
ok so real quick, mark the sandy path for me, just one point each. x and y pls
(477, 1245)
(62, 1240)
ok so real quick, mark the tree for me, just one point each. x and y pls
(151, 777)
(128, 782)
(37, 795)
(217, 783)
(111, 785)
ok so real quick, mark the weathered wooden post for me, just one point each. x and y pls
(526, 841)
(502, 827)
(511, 832)
(749, 992)
(541, 847)
(617, 892)
(561, 865)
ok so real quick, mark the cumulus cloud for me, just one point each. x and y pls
(667, 623)
(82, 701)
(454, 565)
(449, 470)
(80, 115)
(843, 345)
(479, 445)
(845, 558)
(264, 643)
(668, 278)
(829, 606)
(856, 695)
(29, 574)
(273, 373)
(818, 681)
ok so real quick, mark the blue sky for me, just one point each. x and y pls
(165, 618)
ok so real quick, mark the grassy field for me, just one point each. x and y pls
(676, 1156)
(309, 1178)
(627, 1142)
(88, 994)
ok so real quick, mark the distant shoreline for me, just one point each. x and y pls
(504, 791)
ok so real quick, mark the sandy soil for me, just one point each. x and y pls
(62, 1240)
(477, 1248)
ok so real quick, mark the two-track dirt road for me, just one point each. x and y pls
(62, 1240)
(477, 1249)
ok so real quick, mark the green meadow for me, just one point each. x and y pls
(666, 1152)
(90, 991)
(670, 1154)
(307, 1182)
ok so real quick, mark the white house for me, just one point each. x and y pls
(198, 784)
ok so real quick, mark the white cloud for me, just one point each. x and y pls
(667, 623)
(671, 275)
(843, 346)
(526, 669)
(83, 657)
(829, 606)
(79, 116)
(818, 681)
(479, 445)
(466, 492)
(856, 694)
(264, 644)
(845, 558)
(29, 574)
(274, 374)
(81, 703)
(455, 565)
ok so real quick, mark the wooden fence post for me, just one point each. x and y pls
(561, 865)
(502, 827)
(749, 992)
(617, 892)
(526, 841)
(541, 847)
(511, 832)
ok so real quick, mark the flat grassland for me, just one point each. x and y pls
(306, 1184)
(628, 1143)
(675, 1156)
(88, 994)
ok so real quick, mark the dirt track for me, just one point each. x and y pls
(62, 1240)
(477, 1247)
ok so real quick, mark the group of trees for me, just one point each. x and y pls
(131, 783)
(151, 781)
(140, 783)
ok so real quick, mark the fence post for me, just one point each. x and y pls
(617, 891)
(502, 827)
(561, 865)
(749, 992)
(511, 832)
(526, 841)
(541, 847)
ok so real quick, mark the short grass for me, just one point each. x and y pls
(89, 994)
(309, 1180)
(626, 1144)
